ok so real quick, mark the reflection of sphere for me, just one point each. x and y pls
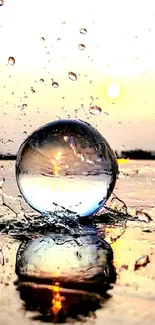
(78, 262)
(66, 163)
(73, 303)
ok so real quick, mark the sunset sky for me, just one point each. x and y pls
(44, 36)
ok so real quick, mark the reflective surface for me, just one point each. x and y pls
(66, 163)
(63, 276)
(77, 262)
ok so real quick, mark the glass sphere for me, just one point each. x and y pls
(66, 163)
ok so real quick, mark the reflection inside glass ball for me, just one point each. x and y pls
(66, 163)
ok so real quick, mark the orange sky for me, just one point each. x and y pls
(119, 48)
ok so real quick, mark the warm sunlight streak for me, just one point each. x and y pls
(57, 299)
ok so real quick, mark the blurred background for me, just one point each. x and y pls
(89, 60)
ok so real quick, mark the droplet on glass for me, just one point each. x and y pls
(72, 76)
(81, 47)
(42, 38)
(41, 80)
(83, 30)
(55, 84)
(11, 60)
(1, 3)
(46, 183)
(95, 110)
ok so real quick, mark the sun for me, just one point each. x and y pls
(113, 90)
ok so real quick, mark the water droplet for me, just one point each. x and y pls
(1, 3)
(46, 183)
(72, 76)
(11, 60)
(55, 84)
(42, 39)
(41, 80)
(83, 30)
(24, 106)
(81, 47)
(32, 90)
(95, 110)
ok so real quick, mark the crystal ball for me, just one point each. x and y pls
(66, 163)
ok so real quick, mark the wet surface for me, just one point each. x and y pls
(132, 298)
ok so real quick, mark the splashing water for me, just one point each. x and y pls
(66, 164)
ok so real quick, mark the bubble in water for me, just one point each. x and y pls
(66, 163)
(83, 30)
(11, 60)
(95, 110)
(81, 47)
(55, 84)
(72, 76)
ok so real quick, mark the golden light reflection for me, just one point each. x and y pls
(55, 168)
(57, 299)
(121, 253)
(55, 163)
(122, 161)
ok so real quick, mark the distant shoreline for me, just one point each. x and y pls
(12, 157)
(137, 154)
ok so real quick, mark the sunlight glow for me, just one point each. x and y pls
(113, 90)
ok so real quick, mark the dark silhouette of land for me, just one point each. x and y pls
(138, 154)
(7, 157)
